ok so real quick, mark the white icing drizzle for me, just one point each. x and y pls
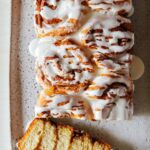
(61, 106)
(116, 106)
(52, 15)
(118, 109)
(111, 72)
(121, 7)
(61, 62)
(119, 64)
(104, 34)
(123, 110)
(104, 81)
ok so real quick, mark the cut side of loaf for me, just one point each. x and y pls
(100, 146)
(43, 134)
(49, 137)
(87, 142)
(32, 137)
(64, 137)
(77, 143)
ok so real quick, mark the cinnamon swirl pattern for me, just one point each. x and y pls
(89, 79)
(60, 106)
(109, 35)
(115, 7)
(112, 89)
(57, 17)
(62, 64)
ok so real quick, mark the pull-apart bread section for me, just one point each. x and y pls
(109, 35)
(63, 65)
(110, 94)
(57, 17)
(43, 134)
(60, 106)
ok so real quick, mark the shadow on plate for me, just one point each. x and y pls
(141, 21)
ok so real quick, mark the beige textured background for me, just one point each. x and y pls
(123, 135)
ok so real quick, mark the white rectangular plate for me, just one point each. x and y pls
(123, 135)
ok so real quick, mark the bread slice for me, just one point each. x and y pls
(81, 142)
(49, 137)
(77, 143)
(87, 142)
(101, 146)
(32, 137)
(42, 134)
(64, 137)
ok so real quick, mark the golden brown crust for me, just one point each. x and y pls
(65, 138)
(21, 142)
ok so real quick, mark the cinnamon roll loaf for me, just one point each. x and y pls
(89, 79)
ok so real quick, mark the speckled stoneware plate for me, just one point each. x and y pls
(123, 135)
